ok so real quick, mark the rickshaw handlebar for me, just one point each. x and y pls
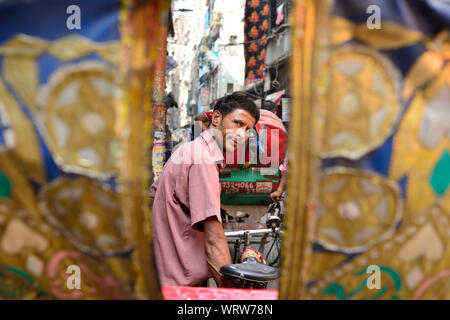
(240, 233)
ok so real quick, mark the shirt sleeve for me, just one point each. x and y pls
(204, 193)
(153, 188)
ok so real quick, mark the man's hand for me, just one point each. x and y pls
(276, 194)
(204, 119)
(216, 248)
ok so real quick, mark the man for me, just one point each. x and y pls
(269, 115)
(282, 185)
(269, 106)
(268, 118)
(190, 245)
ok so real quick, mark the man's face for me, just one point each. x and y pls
(233, 127)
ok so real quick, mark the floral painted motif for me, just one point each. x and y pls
(256, 30)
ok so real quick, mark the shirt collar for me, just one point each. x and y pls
(214, 150)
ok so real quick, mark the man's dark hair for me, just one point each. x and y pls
(269, 105)
(237, 100)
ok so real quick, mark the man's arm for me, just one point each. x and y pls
(203, 117)
(204, 207)
(152, 191)
(216, 248)
(277, 193)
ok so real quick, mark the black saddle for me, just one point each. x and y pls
(251, 270)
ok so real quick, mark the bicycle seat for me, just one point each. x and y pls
(251, 270)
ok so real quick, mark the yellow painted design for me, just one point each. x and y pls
(75, 112)
(419, 143)
(22, 191)
(425, 243)
(79, 115)
(34, 246)
(355, 210)
(342, 30)
(65, 48)
(417, 253)
(21, 72)
(25, 147)
(345, 102)
(70, 47)
(362, 102)
(89, 217)
(324, 261)
(18, 236)
(24, 46)
(87, 213)
(20, 66)
(439, 44)
(389, 37)
(110, 51)
(424, 69)
(308, 17)
(143, 34)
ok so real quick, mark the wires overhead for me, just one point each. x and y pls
(275, 82)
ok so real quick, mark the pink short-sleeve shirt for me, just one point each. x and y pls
(187, 192)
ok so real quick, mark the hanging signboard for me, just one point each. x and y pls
(204, 98)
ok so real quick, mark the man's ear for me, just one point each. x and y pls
(216, 118)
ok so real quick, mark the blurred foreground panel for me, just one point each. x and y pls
(372, 83)
(62, 101)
